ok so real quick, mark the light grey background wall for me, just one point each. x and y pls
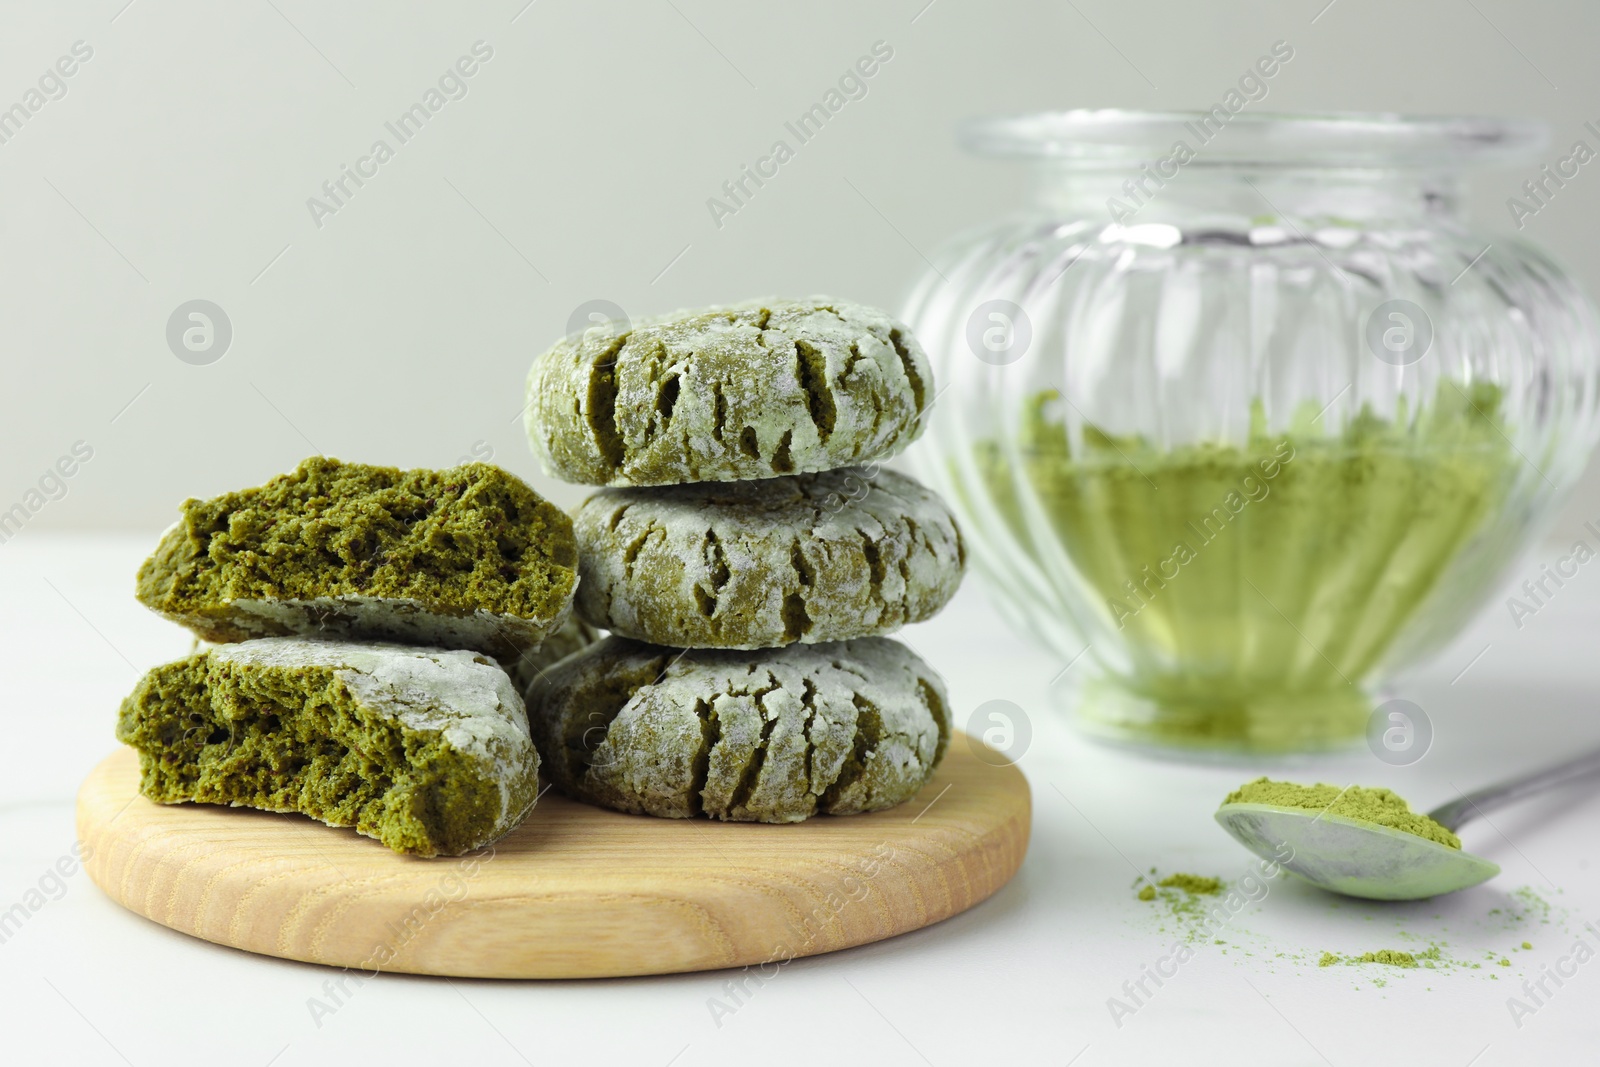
(575, 163)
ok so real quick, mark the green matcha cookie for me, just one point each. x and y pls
(774, 736)
(811, 558)
(424, 749)
(468, 557)
(573, 635)
(730, 393)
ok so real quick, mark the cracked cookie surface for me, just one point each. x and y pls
(743, 565)
(746, 391)
(772, 736)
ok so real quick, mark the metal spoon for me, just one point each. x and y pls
(1360, 859)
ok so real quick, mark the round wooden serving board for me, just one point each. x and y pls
(575, 892)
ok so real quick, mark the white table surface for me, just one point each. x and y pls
(1023, 978)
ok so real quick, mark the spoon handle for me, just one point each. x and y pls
(1471, 805)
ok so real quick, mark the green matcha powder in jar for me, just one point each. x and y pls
(1240, 419)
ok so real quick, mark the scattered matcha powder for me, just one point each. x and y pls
(1534, 903)
(1387, 956)
(1184, 893)
(1377, 806)
(1186, 905)
(1192, 883)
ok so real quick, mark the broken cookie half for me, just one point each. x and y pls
(426, 750)
(466, 557)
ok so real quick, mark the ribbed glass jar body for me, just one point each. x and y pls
(1240, 435)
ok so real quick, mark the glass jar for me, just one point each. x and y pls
(1240, 418)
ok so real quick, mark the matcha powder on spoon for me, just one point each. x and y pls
(1377, 806)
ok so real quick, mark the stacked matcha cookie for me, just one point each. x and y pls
(747, 555)
(369, 617)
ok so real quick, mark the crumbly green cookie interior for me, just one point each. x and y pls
(227, 726)
(746, 391)
(813, 558)
(456, 542)
(1377, 806)
(770, 736)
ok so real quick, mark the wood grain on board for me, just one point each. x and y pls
(576, 891)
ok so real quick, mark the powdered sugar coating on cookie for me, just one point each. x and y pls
(747, 391)
(773, 736)
(809, 558)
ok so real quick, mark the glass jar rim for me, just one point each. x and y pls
(1331, 139)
